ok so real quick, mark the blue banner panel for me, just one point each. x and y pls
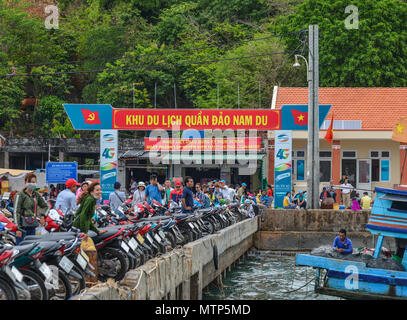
(60, 172)
(282, 166)
(90, 116)
(295, 117)
(108, 161)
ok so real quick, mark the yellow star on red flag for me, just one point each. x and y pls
(399, 134)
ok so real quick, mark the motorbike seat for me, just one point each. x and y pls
(53, 236)
(49, 246)
(205, 210)
(25, 249)
(156, 218)
(111, 231)
(179, 216)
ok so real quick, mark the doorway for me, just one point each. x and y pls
(202, 175)
(349, 168)
(364, 176)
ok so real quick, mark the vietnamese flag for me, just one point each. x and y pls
(300, 118)
(400, 130)
(330, 133)
(91, 117)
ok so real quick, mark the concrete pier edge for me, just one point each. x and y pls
(182, 273)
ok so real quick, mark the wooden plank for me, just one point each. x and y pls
(352, 295)
(341, 265)
(378, 248)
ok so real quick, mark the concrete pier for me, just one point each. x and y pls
(304, 230)
(182, 273)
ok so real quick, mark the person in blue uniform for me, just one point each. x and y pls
(342, 244)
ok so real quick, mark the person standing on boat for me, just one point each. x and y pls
(342, 244)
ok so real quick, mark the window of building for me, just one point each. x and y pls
(375, 169)
(380, 165)
(349, 154)
(325, 154)
(298, 165)
(325, 164)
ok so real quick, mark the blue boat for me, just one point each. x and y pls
(353, 279)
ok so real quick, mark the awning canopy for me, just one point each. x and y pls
(88, 172)
(211, 157)
(134, 154)
(14, 172)
(393, 197)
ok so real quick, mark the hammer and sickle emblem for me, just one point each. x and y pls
(91, 117)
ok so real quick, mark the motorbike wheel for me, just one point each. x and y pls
(133, 262)
(7, 292)
(171, 239)
(209, 227)
(64, 290)
(155, 249)
(138, 260)
(148, 254)
(130, 261)
(189, 236)
(111, 264)
(35, 285)
(162, 247)
(218, 224)
(77, 284)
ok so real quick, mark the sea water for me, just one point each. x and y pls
(263, 275)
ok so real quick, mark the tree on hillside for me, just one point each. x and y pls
(374, 54)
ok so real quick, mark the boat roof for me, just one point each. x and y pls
(391, 191)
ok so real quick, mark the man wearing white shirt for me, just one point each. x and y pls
(117, 197)
(347, 188)
(66, 199)
(226, 191)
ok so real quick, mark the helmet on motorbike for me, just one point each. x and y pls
(56, 215)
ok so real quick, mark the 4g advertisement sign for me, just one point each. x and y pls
(108, 161)
(282, 166)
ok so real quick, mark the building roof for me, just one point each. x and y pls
(377, 108)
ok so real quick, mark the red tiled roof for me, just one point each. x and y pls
(378, 108)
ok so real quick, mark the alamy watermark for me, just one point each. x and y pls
(218, 147)
(352, 280)
(352, 21)
(52, 20)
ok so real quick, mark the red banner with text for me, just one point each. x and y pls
(214, 144)
(199, 119)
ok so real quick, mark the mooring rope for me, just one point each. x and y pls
(287, 292)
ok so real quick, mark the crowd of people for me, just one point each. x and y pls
(82, 198)
(349, 197)
(204, 195)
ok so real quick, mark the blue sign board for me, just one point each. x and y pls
(108, 161)
(60, 172)
(282, 166)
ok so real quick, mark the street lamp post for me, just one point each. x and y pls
(313, 117)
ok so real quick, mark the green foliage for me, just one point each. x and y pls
(175, 23)
(126, 49)
(63, 129)
(372, 55)
(248, 73)
(52, 81)
(49, 109)
(11, 96)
